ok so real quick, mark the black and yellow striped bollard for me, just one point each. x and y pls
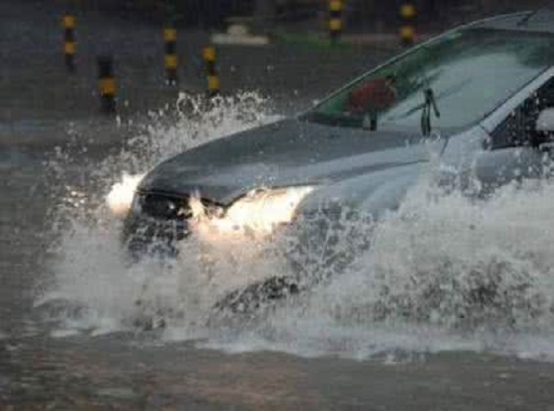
(213, 80)
(407, 29)
(68, 22)
(106, 84)
(335, 20)
(170, 58)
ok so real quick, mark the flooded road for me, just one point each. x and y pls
(68, 296)
(66, 341)
(123, 373)
(19, 252)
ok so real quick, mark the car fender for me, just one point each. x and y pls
(470, 166)
(370, 194)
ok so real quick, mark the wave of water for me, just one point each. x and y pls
(443, 272)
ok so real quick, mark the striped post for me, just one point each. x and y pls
(213, 80)
(407, 29)
(170, 58)
(106, 84)
(68, 22)
(335, 20)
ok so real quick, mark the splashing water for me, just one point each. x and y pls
(91, 271)
(121, 194)
(442, 273)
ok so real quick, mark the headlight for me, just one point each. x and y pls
(121, 195)
(262, 210)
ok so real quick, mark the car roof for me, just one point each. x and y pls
(541, 21)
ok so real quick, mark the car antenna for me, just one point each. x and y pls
(533, 13)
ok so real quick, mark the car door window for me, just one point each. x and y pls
(518, 129)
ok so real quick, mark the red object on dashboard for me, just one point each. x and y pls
(375, 94)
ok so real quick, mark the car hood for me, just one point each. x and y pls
(289, 152)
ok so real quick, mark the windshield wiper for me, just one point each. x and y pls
(445, 93)
(429, 106)
(532, 14)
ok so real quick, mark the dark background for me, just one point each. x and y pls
(360, 15)
(372, 15)
(36, 83)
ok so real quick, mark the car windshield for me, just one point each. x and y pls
(469, 73)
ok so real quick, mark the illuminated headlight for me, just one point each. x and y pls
(120, 198)
(260, 211)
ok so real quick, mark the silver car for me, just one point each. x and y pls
(480, 98)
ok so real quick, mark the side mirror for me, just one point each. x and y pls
(545, 127)
(545, 121)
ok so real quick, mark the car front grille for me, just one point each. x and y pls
(172, 207)
(160, 219)
(165, 207)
